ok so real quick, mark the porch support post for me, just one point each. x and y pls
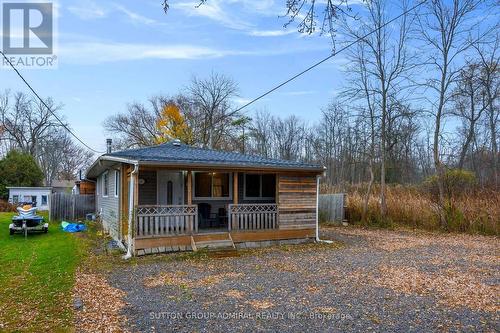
(235, 201)
(124, 201)
(193, 225)
(235, 188)
(189, 187)
(133, 200)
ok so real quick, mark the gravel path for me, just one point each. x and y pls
(366, 281)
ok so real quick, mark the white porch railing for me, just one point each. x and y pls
(158, 221)
(253, 216)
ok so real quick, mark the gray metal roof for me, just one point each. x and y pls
(174, 153)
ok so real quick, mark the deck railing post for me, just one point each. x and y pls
(196, 219)
(229, 217)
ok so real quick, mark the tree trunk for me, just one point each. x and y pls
(494, 147)
(383, 204)
(437, 162)
(368, 193)
(468, 140)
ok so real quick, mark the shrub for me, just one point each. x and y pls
(456, 183)
(6, 206)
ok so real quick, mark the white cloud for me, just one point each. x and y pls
(299, 92)
(102, 52)
(135, 17)
(241, 100)
(89, 11)
(92, 51)
(212, 10)
(270, 33)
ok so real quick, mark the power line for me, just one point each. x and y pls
(328, 58)
(48, 108)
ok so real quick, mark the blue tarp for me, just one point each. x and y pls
(73, 227)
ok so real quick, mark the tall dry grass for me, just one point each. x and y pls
(476, 211)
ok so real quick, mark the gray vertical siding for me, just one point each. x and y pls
(147, 191)
(109, 207)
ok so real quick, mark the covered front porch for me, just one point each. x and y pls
(185, 209)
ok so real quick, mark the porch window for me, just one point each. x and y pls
(105, 184)
(117, 183)
(262, 186)
(15, 199)
(211, 185)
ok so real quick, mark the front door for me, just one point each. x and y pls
(170, 188)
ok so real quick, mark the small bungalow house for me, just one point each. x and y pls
(174, 197)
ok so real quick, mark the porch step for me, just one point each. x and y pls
(214, 241)
(220, 244)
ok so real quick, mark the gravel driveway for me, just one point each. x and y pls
(366, 281)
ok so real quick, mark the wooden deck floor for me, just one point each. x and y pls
(185, 242)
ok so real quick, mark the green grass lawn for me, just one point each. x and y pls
(36, 278)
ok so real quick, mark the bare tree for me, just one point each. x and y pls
(445, 30)
(206, 105)
(137, 127)
(288, 137)
(211, 99)
(490, 80)
(26, 121)
(261, 136)
(383, 62)
(61, 158)
(470, 103)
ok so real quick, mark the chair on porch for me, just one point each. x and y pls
(222, 219)
(207, 219)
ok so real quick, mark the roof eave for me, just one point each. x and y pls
(202, 165)
(88, 173)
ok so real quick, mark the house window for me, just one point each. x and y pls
(44, 200)
(260, 186)
(117, 183)
(15, 199)
(211, 185)
(105, 184)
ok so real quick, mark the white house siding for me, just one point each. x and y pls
(26, 193)
(108, 207)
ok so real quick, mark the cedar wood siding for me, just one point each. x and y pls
(108, 207)
(297, 201)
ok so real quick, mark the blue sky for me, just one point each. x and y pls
(113, 53)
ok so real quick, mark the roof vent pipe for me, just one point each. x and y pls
(108, 146)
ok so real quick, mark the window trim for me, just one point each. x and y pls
(260, 197)
(104, 190)
(117, 182)
(193, 185)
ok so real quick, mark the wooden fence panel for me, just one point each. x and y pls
(331, 207)
(67, 206)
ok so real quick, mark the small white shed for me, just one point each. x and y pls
(38, 196)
